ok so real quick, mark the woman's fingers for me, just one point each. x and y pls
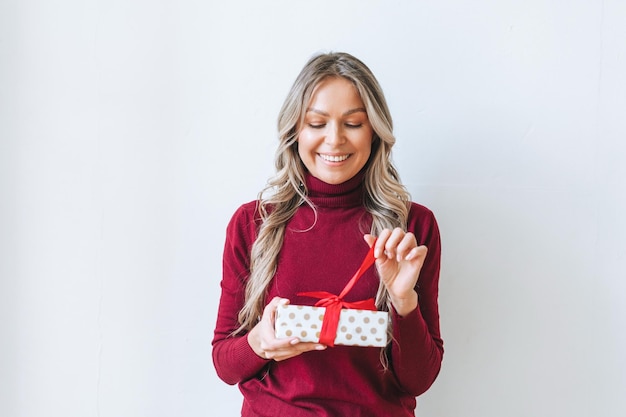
(398, 258)
(291, 350)
(401, 244)
(281, 349)
(379, 249)
(417, 253)
(392, 244)
(263, 341)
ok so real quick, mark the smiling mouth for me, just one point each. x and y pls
(334, 158)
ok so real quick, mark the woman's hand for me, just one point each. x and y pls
(399, 260)
(264, 343)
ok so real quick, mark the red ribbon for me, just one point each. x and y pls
(334, 303)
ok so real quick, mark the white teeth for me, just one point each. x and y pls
(334, 158)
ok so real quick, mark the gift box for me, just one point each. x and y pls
(333, 320)
(355, 327)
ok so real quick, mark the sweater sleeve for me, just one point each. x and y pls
(417, 348)
(233, 358)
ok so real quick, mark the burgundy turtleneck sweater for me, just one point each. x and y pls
(322, 255)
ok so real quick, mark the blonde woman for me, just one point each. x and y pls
(335, 194)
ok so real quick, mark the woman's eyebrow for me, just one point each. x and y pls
(347, 113)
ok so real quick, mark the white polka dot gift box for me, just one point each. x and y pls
(355, 327)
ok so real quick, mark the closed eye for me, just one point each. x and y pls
(354, 125)
(317, 125)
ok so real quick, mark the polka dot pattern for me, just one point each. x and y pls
(356, 327)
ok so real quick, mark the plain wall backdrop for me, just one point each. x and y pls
(131, 130)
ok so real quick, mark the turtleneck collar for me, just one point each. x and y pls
(347, 194)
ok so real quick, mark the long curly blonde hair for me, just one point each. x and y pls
(386, 199)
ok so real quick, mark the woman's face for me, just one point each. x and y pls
(335, 140)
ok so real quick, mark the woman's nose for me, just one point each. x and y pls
(334, 134)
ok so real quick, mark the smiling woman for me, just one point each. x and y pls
(335, 195)
(335, 139)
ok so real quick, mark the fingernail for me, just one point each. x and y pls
(295, 341)
(320, 347)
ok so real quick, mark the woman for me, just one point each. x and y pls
(335, 194)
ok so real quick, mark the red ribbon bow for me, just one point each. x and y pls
(334, 303)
